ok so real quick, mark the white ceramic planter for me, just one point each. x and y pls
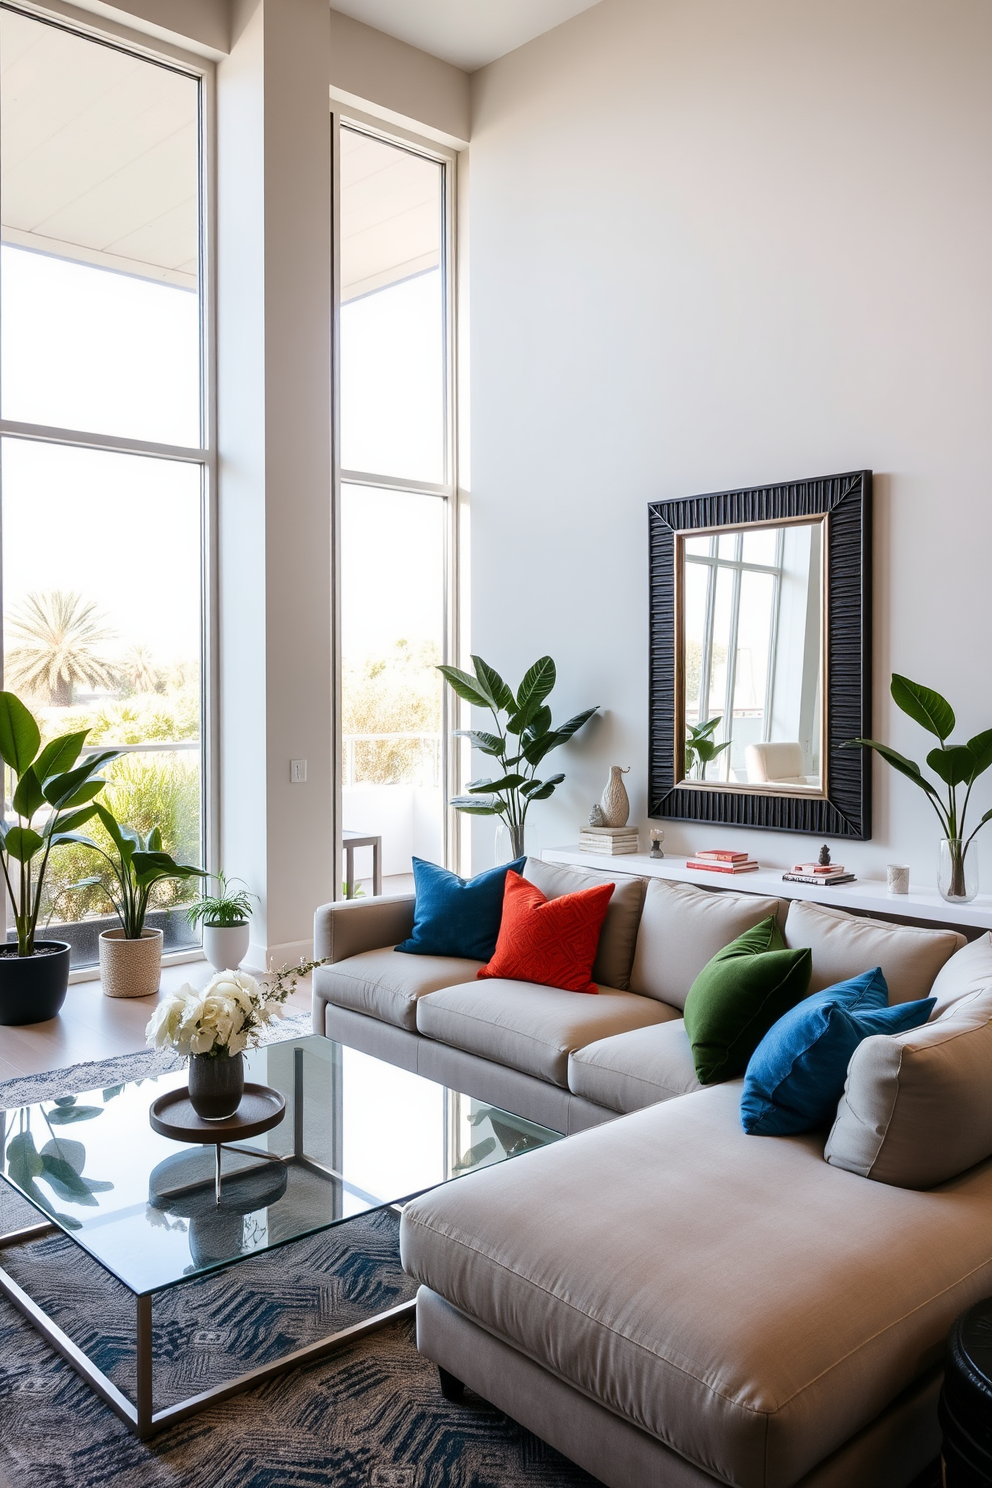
(226, 946)
(130, 968)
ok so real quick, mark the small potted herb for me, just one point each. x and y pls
(131, 957)
(224, 917)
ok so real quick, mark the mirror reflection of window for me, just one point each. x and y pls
(752, 656)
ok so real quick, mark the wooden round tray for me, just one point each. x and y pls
(172, 1115)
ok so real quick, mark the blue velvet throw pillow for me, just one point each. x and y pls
(796, 1074)
(457, 916)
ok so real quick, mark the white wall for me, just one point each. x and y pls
(274, 441)
(716, 243)
(403, 84)
(199, 25)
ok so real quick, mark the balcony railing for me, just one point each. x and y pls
(422, 767)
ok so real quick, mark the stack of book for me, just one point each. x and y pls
(819, 873)
(609, 840)
(721, 860)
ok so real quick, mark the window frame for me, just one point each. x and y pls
(132, 43)
(343, 115)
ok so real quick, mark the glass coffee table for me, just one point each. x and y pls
(358, 1135)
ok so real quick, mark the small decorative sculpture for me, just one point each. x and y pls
(595, 817)
(614, 804)
(824, 858)
(657, 838)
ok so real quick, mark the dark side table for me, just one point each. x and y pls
(966, 1400)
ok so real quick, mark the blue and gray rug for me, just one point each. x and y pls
(370, 1416)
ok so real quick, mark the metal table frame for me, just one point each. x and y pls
(140, 1416)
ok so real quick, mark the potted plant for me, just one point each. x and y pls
(213, 1028)
(956, 766)
(224, 917)
(525, 735)
(131, 957)
(52, 795)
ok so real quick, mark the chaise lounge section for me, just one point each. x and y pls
(663, 1298)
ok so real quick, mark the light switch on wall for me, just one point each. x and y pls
(298, 772)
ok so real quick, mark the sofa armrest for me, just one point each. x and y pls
(350, 926)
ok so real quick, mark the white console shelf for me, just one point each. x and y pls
(864, 894)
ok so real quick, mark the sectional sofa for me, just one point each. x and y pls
(665, 1299)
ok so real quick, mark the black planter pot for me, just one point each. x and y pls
(33, 988)
(216, 1085)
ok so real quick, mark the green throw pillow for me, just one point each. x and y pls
(737, 997)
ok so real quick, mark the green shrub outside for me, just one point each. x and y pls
(143, 791)
(397, 693)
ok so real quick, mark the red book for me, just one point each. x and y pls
(722, 855)
(712, 867)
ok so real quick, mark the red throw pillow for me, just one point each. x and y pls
(551, 941)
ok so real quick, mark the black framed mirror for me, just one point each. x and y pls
(761, 656)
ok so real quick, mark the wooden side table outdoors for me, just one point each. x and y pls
(351, 841)
(966, 1400)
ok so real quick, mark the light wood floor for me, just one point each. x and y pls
(92, 1026)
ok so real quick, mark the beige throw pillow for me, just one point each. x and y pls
(682, 928)
(917, 1106)
(968, 970)
(615, 952)
(844, 946)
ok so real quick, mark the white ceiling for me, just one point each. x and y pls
(98, 164)
(390, 214)
(468, 33)
(99, 154)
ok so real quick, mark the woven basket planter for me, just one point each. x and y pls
(130, 968)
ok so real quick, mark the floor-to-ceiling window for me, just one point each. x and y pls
(104, 443)
(396, 459)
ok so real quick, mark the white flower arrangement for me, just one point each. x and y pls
(226, 1017)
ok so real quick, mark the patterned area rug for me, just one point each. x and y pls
(370, 1416)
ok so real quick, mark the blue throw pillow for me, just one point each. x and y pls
(796, 1075)
(457, 916)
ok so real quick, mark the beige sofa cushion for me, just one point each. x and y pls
(844, 945)
(917, 1106)
(682, 928)
(528, 1027)
(616, 942)
(386, 985)
(735, 1296)
(969, 970)
(632, 1070)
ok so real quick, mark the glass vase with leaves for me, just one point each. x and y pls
(957, 768)
(523, 736)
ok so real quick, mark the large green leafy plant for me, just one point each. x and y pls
(699, 745)
(52, 797)
(956, 766)
(524, 735)
(136, 866)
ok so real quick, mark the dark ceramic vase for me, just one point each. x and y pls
(33, 988)
(216, 1085)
